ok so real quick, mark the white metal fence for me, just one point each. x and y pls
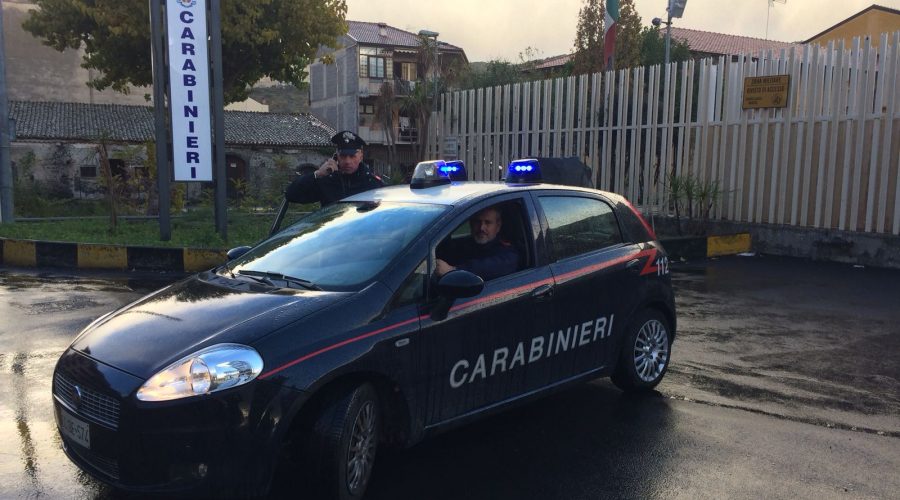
(829, 159)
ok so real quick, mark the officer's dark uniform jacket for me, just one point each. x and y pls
(327, 190)
(491, 260)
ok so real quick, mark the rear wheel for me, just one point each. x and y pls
(344, 441)
(645, 353)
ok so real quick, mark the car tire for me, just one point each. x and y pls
(645, 352)
(343, 443)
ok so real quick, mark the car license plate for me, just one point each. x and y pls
(75, 429)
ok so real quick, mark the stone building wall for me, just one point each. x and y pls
(72, 170)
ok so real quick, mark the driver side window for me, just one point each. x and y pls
(493, 242)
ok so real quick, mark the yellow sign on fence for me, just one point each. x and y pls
(766, 91)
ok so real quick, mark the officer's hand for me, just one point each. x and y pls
(441, 268)
(327, 168)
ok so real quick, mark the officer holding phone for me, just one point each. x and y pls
(339, 177)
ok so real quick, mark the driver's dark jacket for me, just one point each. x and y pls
(491, 260)
(327, 190)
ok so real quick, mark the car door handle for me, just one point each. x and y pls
(542, 292)
(634, 265)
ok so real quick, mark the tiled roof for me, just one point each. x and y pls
(364, 32)
(719, 43)
(119, 123)
(553, 62)
(706, 42)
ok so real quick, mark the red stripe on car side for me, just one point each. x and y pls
(339, 344)
(513, 291)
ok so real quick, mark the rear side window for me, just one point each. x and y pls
(579, 225)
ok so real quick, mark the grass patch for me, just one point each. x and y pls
(194, 229)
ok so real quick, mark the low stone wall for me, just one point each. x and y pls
(866, 249)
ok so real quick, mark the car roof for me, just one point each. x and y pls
(457, 192)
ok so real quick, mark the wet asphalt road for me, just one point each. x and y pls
(784, 383)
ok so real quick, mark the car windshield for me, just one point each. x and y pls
(342, 245)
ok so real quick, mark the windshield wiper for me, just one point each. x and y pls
(267, 277)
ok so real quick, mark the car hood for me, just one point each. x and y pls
(157, 330)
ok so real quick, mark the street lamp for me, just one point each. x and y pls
(656, 22)
(675, 9)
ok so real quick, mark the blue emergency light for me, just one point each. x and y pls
(428, 174)
(527, 171)
(455, 170)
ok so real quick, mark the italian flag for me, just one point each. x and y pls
(609, 32)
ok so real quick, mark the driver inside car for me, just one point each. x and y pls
(482, 252)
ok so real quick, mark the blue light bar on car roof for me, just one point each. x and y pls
(524, 171)
(455, 170)
(428, 174)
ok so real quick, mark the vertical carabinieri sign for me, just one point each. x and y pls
(189, 90)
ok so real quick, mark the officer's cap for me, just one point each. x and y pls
(347, 142)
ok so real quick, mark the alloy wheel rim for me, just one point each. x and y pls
(651, 351)
(361, 453)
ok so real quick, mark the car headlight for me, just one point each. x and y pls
(209, 370)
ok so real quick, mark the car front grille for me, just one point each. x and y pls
(106, 465)
(96, 406)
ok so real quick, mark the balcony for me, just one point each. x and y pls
(371, 87)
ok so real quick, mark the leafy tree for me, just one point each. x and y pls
(274, 38)
(653, 48)
(491, 74)
(589, 38)
(628, 36)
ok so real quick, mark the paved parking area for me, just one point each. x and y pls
(785, 382)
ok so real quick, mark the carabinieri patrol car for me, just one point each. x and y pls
(333, 337)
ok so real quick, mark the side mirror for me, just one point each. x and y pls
(457, 284)
(237, 252)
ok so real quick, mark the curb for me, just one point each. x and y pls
(30, 253)
(701, 247)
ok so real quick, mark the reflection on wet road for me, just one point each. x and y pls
(40, 313)
(785, 381)
(812, 342)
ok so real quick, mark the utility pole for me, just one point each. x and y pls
(6, 180)
(163, 172)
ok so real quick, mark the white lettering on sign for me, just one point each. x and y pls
(189, 90)
(490, 364)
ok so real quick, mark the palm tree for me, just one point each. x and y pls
(385, 106)
(417, 104)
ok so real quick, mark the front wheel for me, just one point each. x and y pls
(347, 432)
(645, 353)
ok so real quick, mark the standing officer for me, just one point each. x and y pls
(335, 180)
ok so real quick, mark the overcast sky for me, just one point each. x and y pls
(489, 29)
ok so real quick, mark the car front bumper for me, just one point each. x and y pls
(225, 442)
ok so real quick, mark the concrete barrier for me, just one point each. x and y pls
(29, 253)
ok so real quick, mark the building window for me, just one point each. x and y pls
(408, 72)
(117, 168)
(371, 67)
(367, 109)
(88, 171)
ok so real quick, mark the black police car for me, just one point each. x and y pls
(332, 337)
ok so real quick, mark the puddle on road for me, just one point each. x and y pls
(56, 306)
(120, 282)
